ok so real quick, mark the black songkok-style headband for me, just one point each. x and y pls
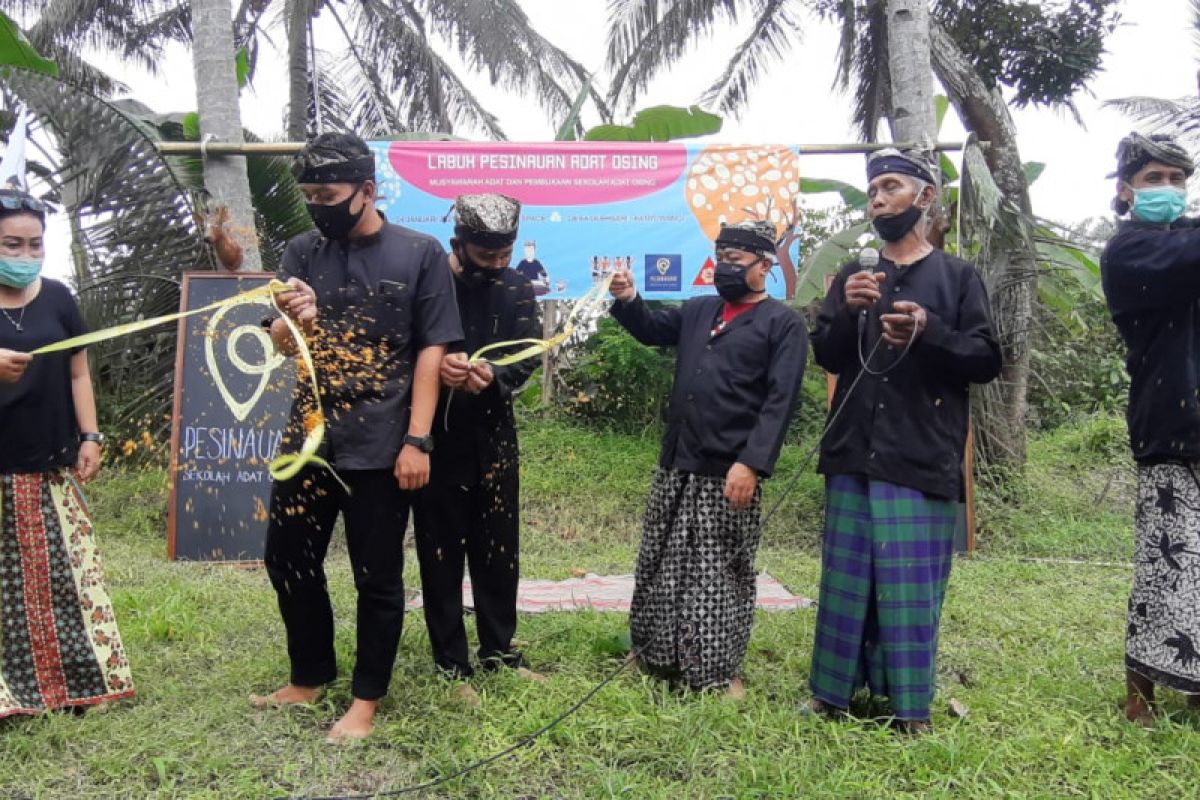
(754, 236)
(1135, 151)
(892, 160)
(334, 158)
(488, 220)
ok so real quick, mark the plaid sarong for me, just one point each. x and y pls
(885, 562)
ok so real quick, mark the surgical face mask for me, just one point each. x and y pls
(730, 280)
(897, 226)
(1162, 205)
(18, 273)
(336, 221)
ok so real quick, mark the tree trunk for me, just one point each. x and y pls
(912, 117)
(298, 66)
(1011, 274)
(220, 118)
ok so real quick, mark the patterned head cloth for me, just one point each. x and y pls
(334, 158)
(913, 163)
(488, 220)
(1136, 151)
(752, 235)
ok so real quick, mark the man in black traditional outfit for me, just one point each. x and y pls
(1151, 276)
(470, 508)
(906, 341)
(738, 370)
(383, 303)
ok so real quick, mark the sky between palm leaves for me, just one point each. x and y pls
(1152, 53)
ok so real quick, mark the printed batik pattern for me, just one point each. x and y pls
(694, 587)
(1162, 638)
(60, 644)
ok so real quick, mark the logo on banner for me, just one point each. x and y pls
(664, 273)
(705, 276)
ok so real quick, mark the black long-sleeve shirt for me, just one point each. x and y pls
(908, 427)
(475, 435)
(380, 300)
(734, 392)
(1151, 278)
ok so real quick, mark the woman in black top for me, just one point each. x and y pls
(60, 645)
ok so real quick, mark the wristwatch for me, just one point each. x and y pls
(422, 443)
(98, 438)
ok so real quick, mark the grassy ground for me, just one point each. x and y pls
(1032, 647)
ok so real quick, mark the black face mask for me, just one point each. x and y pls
(730, 280)
(335, 221)
(474, 274)
(897, 226)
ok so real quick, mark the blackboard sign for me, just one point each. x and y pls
(232, 395)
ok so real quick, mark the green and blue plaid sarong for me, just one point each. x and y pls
(885, 562)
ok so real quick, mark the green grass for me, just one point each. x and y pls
(1033, 648)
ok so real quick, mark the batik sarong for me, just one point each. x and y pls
(1162, 638)
(885, 562)
(693, 597)
(60, 646)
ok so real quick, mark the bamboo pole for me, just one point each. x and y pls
(290, 148)
(549, 325)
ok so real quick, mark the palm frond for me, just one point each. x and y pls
(1194, 5)
(332, 96)
(403, 65)
(873, 79)
(133, 230)
(495, 38)
(646, 36)
(847, 44)
(361, 78)
(171, 25)
(104, 25)
(775, 29)
(1173, 115)
(77, 71)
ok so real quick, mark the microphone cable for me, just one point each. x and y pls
(634, 652)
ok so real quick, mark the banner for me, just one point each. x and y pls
(593, 207)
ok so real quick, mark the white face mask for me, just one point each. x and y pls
(529, 251)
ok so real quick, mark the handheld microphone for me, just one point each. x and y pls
(868, 259)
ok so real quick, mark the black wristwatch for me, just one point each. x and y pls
(422, 443)
(98, 438)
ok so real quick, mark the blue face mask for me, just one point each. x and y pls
(19, 272)
(1159, 205)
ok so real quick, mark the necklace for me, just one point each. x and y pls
(16, 323)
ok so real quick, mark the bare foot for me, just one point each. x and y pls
(355, 724)
(465, 693)
(1140, 712)
(915, 727)
(821, 709)
(290, 695)
(736, 690)
(530, 675)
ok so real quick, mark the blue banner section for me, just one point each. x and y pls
(590, 208)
